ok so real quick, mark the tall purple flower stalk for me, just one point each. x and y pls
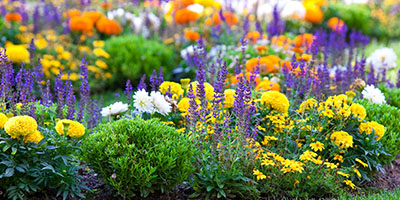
(84, 90)
(277, 25)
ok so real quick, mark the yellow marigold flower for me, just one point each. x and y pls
(35, 137)
(101, 53)
(276, 101)
(259, 174)
(358, 110)
(209, 89)
(75, 129)
(307, 156)
(41, 43)
(372, 127)
(229, 98)
(343, 174)
(342, 139)
(317, 146)
(361, 162)
(98, 43)
(17, 53)
(349, 183)
(3, 120)
(172, 87)
(20, 126)
(184, 105)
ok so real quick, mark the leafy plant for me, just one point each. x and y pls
(29, 168)
(389, 117)
(139, 156)
(131, 56)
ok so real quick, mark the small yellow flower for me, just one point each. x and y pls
(3, 120)
(343, 174)
(361, 162)
(98, 43)
(317, 146)
(259, 174)
(349, 183)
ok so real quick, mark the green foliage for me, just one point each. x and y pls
(389, 117)
(392, 95)
(139, 156)
(224, 175)
(31, 168)
(131, 56)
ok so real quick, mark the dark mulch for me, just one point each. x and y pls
(389, 180)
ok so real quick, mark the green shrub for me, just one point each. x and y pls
(139, 156)
(131, 56)
(392, 95)
(389, 117)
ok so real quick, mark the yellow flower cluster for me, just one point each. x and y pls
(25, 126)
(307, 105)
(372, 127)
(285, 165)
(279, 122)
(342, 139)
(335, 107)
(17, 53)
(74, 129)
(20, 126)
(276, 101)
(172, 87)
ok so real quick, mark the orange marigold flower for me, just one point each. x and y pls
(13, 17)
(106, 6)
(184, 16)
(73, 13)
(335, 24)
(80, 24)
(314, 13)
(93, 15)
(267, 64)
(262, 49)
(234, 79)
(230, 18)
(268, 85)
(253, 36)
(108, 26)
(192, 36)
(304, 40)
(208, 22)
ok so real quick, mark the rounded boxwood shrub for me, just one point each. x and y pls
(389, 117)
(131, 56)
(139, 156)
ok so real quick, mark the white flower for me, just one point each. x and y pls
(374, 95)
(197, 8)
(114, 109)
(293, 9)
(383, 58)
(143, 102)
(188, 51)
(355, 1)
(160, 104)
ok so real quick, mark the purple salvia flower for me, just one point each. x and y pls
(142, 84)
(84, 89)
(371, 77)
(160, 76)
(70, 100)
(32, 52)
(153, 80)
(59, 91)
(128, 91)
(398, 79)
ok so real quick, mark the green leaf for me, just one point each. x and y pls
(9, 172)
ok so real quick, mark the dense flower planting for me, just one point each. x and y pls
(212, 99)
